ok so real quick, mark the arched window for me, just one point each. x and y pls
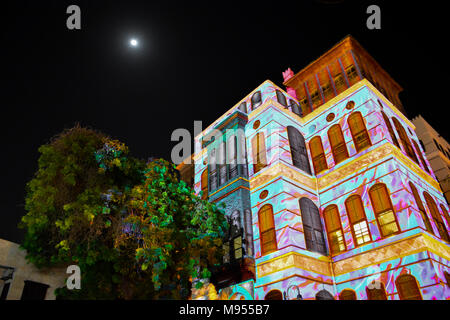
(268, 236)
(359, 131)
(436, 216)
(312, 226)
(445, 212)
(337, 143)
(212, 170)
(422, 160)
(204, 184)
(358, 220)
(347, 294)
(447, 278)
(383, 209)
(295, 108)
(256, 100)
(298, 149)
(390, 129)
(376, 291)
(405, 140)
(318, 155)
(334, 229)
(243, 107)
(222, 163)
(281, 98)
(232, 157)
(259, 152)
(274, 295)
(407, 287)
(324, 295)
(422, 210)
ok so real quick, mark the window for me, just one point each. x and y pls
(5, 291)
(268, 236)
(34, 291)
(337, 143)
(351, 73)
(312, 226)
(334, 229)
(358, 220)
(384, 212)
(243, 107)
(445, 212)
(204, 184)
(405, 140)
(376, 291)
(298, 149)
(407, 287)
(222, 164)
(422, 160)
(390, 129)
(281, 98)
(436, 216)
(347, 294)
(259, 152)
(422, 210)
(212, 170)
(339, 83)
(324, 295)
(274, 295)
(232, 157)
(295, 108)
(359, 133)
(318, 155)
(256, 100)
(327, 91)
(315, 98)
(447, 278)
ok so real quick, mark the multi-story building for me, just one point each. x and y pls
(327, 189)
(437, 151)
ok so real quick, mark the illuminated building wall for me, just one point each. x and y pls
(342, 201)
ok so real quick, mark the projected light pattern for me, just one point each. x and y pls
(407, 249)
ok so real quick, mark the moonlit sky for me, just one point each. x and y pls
(193, 61)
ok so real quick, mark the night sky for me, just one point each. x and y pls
(195, 61)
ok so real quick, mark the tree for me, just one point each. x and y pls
(135, 229)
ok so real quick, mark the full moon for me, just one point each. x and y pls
(134, 43)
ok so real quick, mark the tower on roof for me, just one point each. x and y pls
(337, 70)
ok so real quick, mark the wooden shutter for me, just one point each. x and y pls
(347, 294)
(312, 226)
(256, 100)
(359, 132)
(259, 152)
(376, 291)
(436, 216)
(445, 212)
(281, 98)
(422, 160)
(318, 155)
(268, 238)
(422, 210)
(298, 149)
(390, 129)
(337, 143)
(405, 140)
(204, 184)
(407, 287)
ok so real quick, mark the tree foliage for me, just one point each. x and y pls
(135, 229)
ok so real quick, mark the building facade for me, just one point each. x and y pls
(437, 150)
(327, 189)
(21, 280)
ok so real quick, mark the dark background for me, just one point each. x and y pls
(195, 61)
